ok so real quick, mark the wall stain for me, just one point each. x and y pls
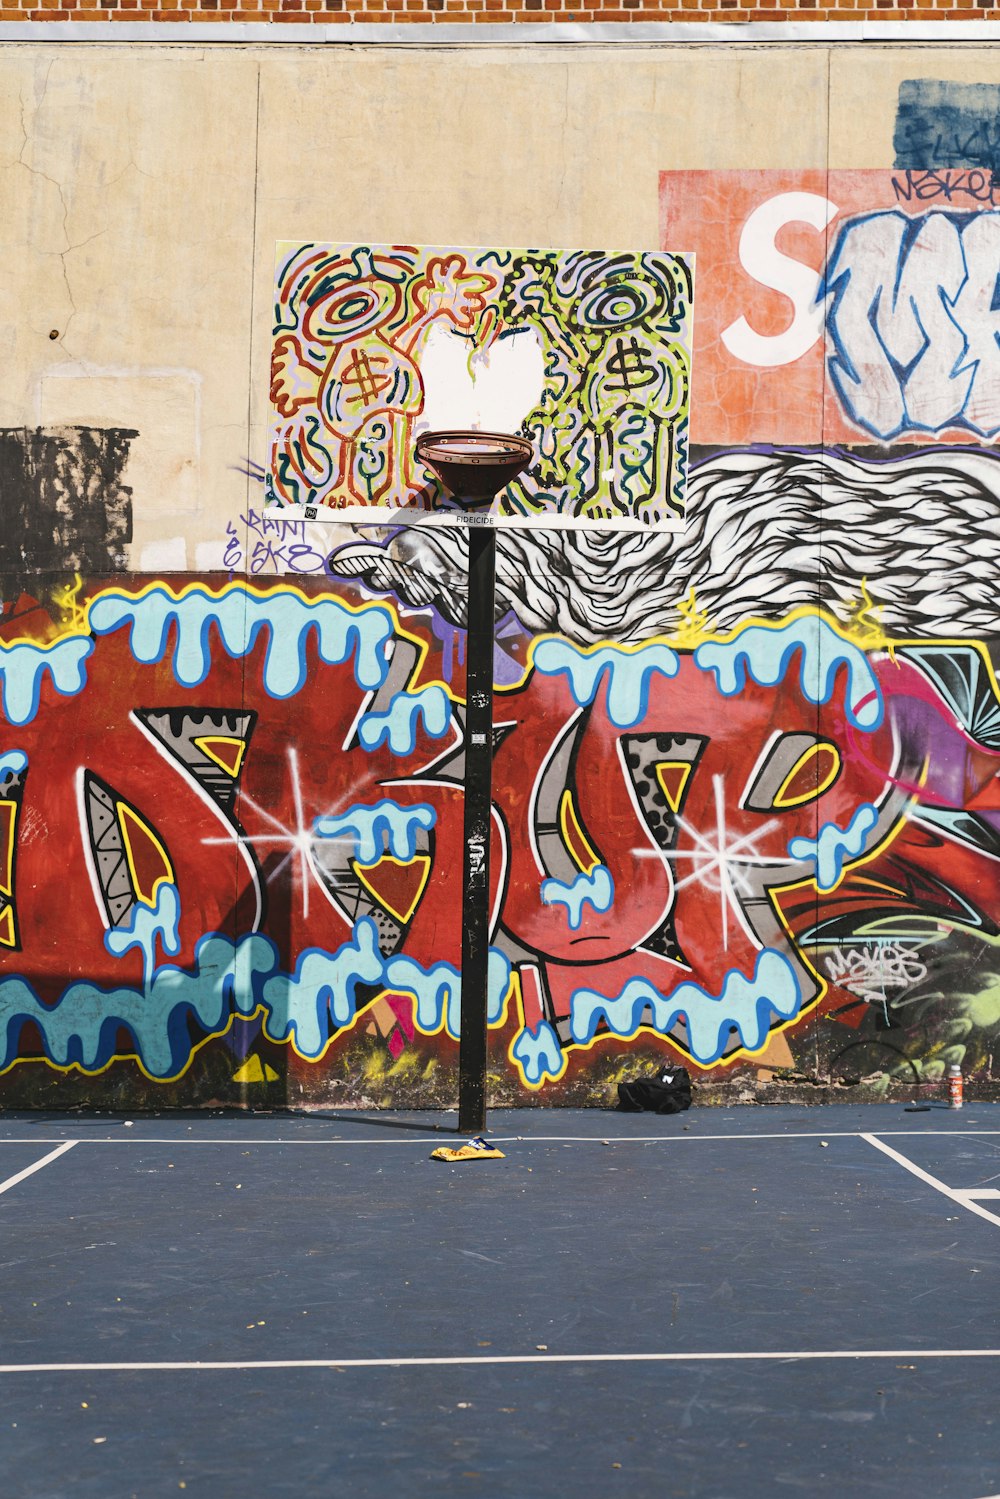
(63, 505)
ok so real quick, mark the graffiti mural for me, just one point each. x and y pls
(586, 353)
(256, 793)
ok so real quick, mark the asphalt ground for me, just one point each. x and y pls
(748, 1302)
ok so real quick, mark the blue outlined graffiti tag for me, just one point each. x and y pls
(914, 319)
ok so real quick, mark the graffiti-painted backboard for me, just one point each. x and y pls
(586, 353)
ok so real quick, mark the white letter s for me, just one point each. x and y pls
(762, 260)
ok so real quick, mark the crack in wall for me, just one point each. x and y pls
(26, 141)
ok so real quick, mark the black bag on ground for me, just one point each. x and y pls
(667, 1093)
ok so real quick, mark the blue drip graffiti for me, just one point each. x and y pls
(768, 651)
(628, 674)
(399, 724)
(538, 1054)
(23, 666)
(384, 827)
(596, 889)
(829, 850)
(229, 979)
(146, 925)
(239, 615)
(743, 1004)
(438, 991)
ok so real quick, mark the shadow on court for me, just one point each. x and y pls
(713, 1304)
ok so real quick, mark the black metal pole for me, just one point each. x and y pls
(472, 1048)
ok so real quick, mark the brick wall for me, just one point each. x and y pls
(473, 11)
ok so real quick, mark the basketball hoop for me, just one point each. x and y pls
(474, 466)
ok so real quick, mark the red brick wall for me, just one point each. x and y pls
(472, 11)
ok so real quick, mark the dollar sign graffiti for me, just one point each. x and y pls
(630, 361)
(370, 381)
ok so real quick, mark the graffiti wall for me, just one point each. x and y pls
(746, 799)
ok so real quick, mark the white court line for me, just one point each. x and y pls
(442, 1138)
(12, 1181)
(778, 1134)
(791, 1357)
(955, 1195)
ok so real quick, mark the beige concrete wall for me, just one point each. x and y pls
(143, 189)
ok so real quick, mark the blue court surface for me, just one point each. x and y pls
(752, 1302)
